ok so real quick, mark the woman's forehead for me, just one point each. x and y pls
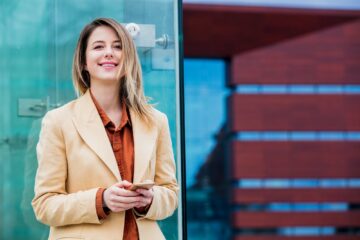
(103, 33)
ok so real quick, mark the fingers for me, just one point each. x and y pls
(122, 206)
(122, 199)
(123, 184)
(145, 198)
(117, 199)
(123, 192)
(119, 207)
(145, 192)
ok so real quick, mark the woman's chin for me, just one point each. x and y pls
(106, 79)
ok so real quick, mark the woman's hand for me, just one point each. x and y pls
(118, 199)
(146, 197)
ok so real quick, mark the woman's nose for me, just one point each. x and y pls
(108, 52)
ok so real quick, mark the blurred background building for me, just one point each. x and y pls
(272, 109)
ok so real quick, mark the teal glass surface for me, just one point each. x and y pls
(37, 42)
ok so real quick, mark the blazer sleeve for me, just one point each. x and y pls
(165, 199)
(52, 204)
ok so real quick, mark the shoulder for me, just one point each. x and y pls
(158, 115)
(159, 118)
(61, 114)
(62, 111)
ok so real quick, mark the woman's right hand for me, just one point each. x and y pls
(118, 199)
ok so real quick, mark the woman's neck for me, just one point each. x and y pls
(107, 96)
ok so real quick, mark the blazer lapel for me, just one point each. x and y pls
(144, 144)
(90, 127)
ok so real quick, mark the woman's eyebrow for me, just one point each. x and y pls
(101, 41)
(98, 41)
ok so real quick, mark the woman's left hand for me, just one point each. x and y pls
(146, 197)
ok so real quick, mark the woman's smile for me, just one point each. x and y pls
(108, 65)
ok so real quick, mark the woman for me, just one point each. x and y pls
(92, 149)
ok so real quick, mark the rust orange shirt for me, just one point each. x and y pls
(122, 142)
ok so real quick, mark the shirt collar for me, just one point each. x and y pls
(104, 117)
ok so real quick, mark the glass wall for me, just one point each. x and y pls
(37, 41)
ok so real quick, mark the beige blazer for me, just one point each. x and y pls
(75, 159)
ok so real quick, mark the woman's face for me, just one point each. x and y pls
(103, 55)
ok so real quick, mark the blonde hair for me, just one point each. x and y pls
(131, 85)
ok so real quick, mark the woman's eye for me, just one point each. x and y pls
(117, 46)
(98, 47)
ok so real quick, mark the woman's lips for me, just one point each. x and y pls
(108, 65)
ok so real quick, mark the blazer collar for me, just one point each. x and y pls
(90, 127)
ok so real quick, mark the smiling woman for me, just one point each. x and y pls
(93, 149)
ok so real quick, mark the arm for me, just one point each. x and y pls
(165, 193)
(52, 204)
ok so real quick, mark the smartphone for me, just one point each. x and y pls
(144, 185)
